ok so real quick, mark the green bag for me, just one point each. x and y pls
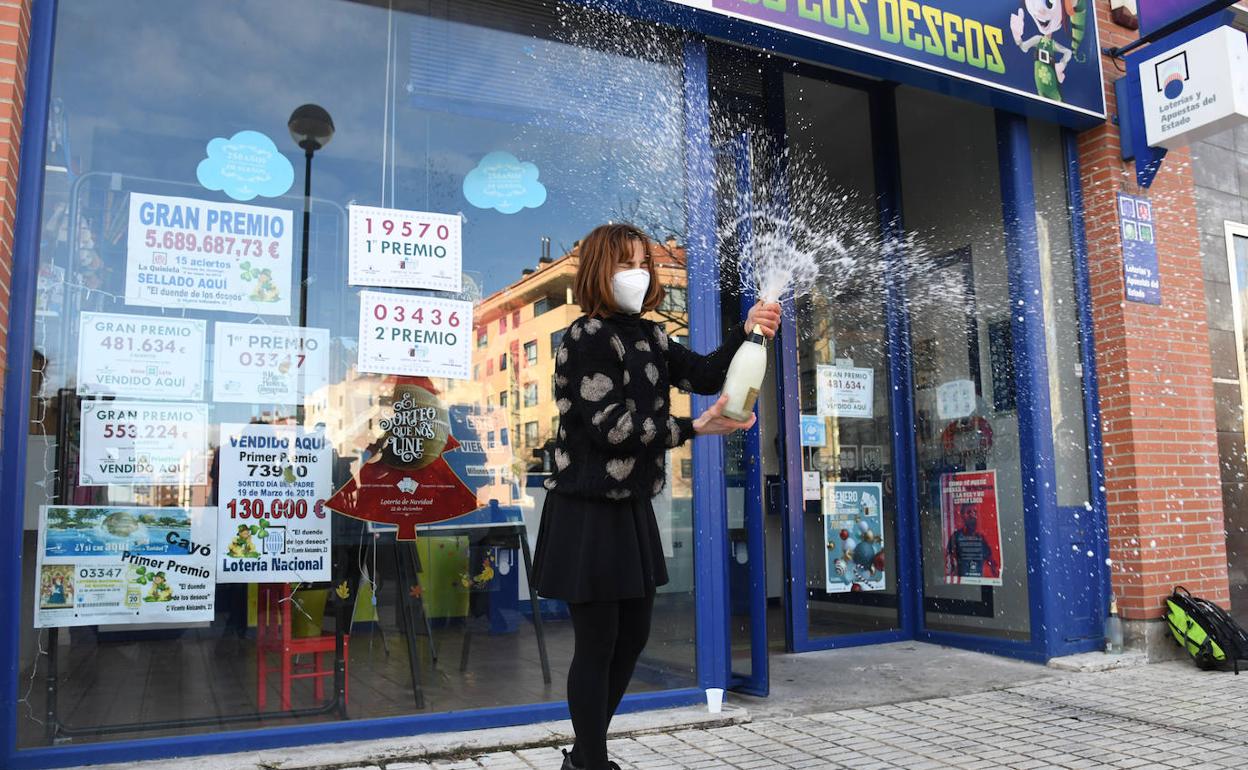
(1205, 630)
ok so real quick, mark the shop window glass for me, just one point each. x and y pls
(973, 541)
(1061, 319)
(419, 98)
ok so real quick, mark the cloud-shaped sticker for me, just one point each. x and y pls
(501, 182)
(244, 166)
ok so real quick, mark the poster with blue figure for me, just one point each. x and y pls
(853, 524)
(244, 166)
(503, 182)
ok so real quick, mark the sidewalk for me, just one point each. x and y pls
(1165, 715)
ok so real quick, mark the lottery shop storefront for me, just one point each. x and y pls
(294, 276)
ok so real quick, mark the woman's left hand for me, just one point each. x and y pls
(765, 315)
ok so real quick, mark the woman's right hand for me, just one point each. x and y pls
(714, 423)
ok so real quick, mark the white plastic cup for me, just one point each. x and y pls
(714, 699)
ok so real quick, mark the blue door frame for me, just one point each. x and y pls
(712, 615)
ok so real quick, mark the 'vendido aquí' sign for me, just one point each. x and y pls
(1041, 49)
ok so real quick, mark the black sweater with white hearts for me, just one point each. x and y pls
(613, 379)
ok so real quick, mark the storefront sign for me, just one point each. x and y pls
(272, 523)
(191, 254)
(419, 336)
(255, 363)
(244, 166)
(135, 442)
(1140, 272)
(970, 528)
(503, 183)
(405, 479)
(845, 391)
(138, 356)
(1196, 89)
(404, 249)
(955, 399)
(1040, 50)
(814, 430)
(853, 526)
(105, 565)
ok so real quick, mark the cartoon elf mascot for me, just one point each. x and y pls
(1051, 56)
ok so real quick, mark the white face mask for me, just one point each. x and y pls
(629, 288)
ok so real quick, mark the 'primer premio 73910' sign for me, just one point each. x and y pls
(1041, 49)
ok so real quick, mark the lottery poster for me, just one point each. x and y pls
(853, 523)
(137, 356)
(137, 442)
(404, 249)
(191, 254)
(416, 336)
(844, 391)
(114, 565)
(272, 524)
(971, 528)
(258, 363)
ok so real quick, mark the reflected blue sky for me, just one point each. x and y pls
(144, 85)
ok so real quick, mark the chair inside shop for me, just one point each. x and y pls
(289, 626)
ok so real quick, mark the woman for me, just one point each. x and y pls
(598, 547)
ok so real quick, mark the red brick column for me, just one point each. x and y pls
(1155, 379)
(14, 44)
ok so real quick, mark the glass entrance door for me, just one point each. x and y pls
(834, 368)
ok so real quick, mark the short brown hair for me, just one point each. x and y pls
(599, 253)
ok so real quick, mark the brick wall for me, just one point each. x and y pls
(1153, 371)
(14, 43)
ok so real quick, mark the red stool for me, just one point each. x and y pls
(274, 636)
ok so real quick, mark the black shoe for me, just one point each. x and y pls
(568, 764)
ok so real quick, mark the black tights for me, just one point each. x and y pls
(609, 638)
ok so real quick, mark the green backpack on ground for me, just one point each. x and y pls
(1205, 630)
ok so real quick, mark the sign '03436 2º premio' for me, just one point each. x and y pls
(418, 336)
(1196, 89)
(404, 249)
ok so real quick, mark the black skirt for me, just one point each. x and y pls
(597, 550)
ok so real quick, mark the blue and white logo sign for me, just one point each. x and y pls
(244, 166)
(502, 182)
(814, 430)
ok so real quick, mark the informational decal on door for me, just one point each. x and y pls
(192, 254)
(137, 356)
(845, 391)
(261, 364)
(955, 399)
(419, 336)
(404, 249)
(272, 525)
(853, 526)
(109, 565)
(138, 442)
(970, 528)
